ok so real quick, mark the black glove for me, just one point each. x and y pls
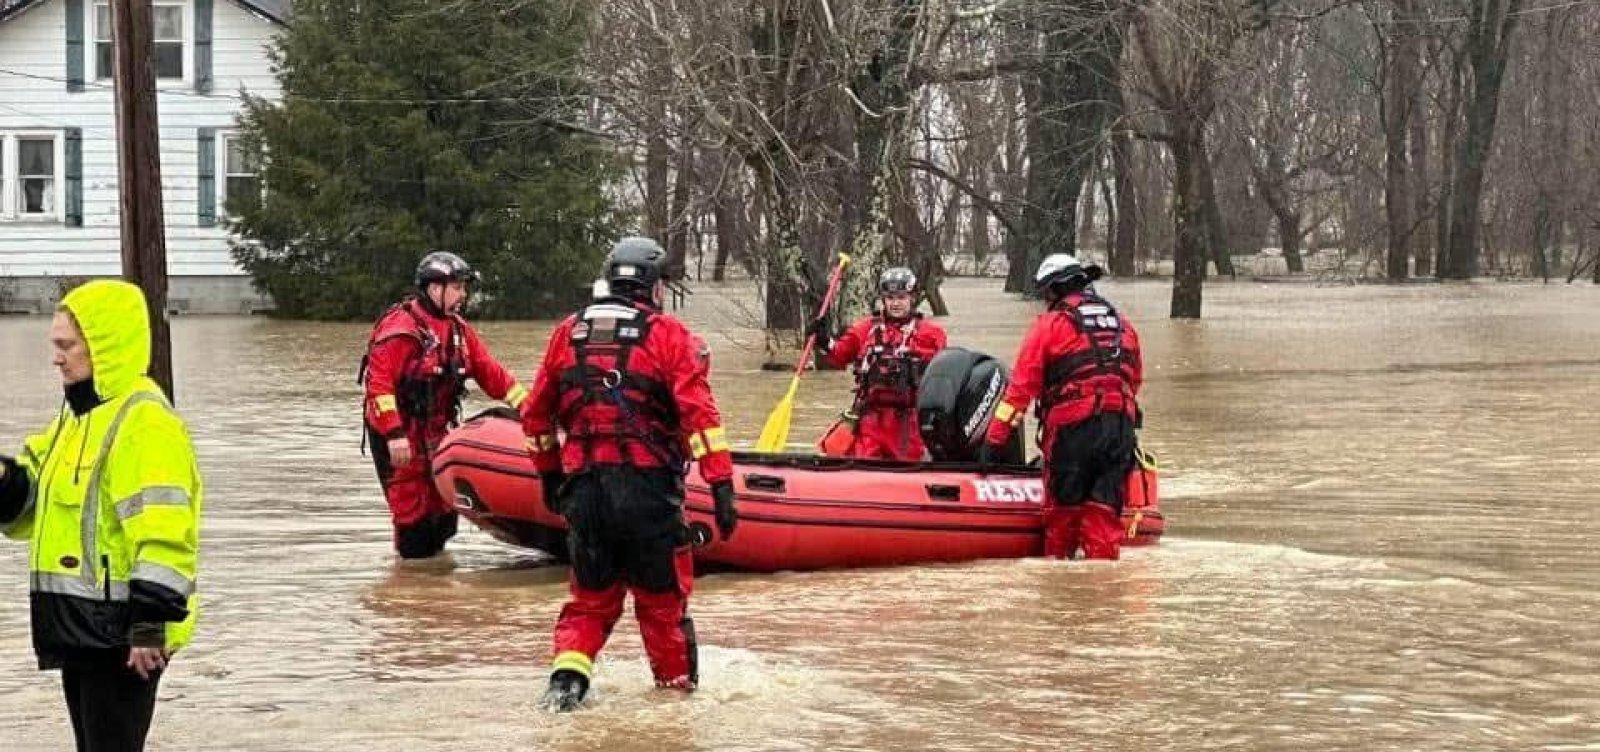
(554, 482)
(822, 329)
(14, 486)
(1138, 418)
(727, 515)
(989, 456)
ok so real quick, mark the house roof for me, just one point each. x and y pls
(273, 10)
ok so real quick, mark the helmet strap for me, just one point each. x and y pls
(434, 305)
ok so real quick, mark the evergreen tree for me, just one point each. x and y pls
(410, 125)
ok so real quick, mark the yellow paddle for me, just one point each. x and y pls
(775, 434)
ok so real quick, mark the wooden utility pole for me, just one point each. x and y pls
(144, 242)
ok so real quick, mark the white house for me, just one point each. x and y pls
(58, 146)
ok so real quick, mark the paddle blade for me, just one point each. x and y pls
(775, 434)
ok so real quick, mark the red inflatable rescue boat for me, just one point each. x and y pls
(796, 512)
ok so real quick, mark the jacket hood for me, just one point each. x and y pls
(116, 324)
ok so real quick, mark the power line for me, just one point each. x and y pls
(55, 121)
(327, 100)
(1436, 19)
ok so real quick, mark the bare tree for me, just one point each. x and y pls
(1490, 25)
(1399, 37)
(1185, 47)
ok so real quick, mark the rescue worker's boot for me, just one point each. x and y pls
(567, 690)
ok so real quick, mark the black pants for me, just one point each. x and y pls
(626, 524)
(1090, 460)
(111, 707)
(407, 489)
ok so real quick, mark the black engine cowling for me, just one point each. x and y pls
(955, 401)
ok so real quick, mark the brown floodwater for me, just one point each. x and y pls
(1380, 503)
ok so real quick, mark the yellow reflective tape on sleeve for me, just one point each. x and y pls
(163, 575)
(517, 394)
(573, 660)
(385, 403)
(545, 442)
(153, 496)
(713, 439)
(1005, 412)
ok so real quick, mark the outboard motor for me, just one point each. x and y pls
(956, 400)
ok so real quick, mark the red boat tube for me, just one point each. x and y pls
(796, 512)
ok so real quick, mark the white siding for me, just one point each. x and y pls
(35, 43)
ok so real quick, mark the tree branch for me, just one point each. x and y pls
(922, 76)
(961, 185)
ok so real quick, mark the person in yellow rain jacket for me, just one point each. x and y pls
(109, 497)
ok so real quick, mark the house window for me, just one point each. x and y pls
(30, 176)
(36, 176)
(241, 176)
(169, 40)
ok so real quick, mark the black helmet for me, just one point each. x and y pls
(442, 266)
(634, 265)
(1061, 272)
(897, 279)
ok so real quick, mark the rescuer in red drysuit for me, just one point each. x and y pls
(419, 357)
(1081, 361)
(889, 351)
(628, 385)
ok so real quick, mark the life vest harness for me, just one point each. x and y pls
(437, 365)
(1105, 369)
(604, 339)
(887, 376)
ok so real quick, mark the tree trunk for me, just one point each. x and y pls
(1489, 42)
(1421, 245)
(1288, 219)
(1580, 257)
(1400, 80)
(1554, 174)
(1110, 203)
(678, 219)
(978, 240)
(1088, 207)
(1075, 87)
(920, 250)
(1189, 253)
(730, 236)
(1289, 235)
(1451, 117)
(1021, 258)
(1216, 232)
(783, 293)
(1123, 249)
(1544, 232)
(1011, 179)
(657, 176)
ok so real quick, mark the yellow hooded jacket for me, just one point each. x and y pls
(113, 501)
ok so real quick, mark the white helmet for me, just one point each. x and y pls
(1064, 269)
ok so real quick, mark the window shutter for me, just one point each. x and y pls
(75, 45)
(208, 177)
(74, 176)
(202, 45)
